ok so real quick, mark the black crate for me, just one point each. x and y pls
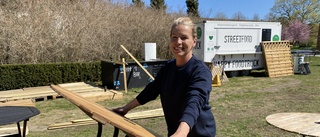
(112, 73)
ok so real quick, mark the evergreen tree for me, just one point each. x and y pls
(138, 3)
(192, 6)
(158, 4)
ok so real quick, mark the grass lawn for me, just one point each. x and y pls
(240, 107)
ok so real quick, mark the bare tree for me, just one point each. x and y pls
(239, 16)
(304, 10)
(220, 16)
(47, 31)
(256, 17)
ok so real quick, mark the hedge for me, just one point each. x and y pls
(33, 75)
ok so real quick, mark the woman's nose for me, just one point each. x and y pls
(179, 40)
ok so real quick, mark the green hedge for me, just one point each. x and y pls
(32, 75)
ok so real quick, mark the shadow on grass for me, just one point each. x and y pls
(258, 74)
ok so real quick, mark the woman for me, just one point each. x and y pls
(184, 86)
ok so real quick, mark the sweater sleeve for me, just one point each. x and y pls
(151, 91)
(197, 97)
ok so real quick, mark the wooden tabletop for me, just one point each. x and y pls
(302, 123)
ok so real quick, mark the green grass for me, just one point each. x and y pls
(240, 107)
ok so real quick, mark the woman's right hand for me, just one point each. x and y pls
(121, 111)
(125, 109)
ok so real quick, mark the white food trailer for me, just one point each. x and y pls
(235, 45)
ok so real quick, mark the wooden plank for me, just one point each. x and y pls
(80, 86)
(27, 93)
(280, 71)
(75, 84)
(276, 66)
(81, 90)
(280, 62)
(71, 124)
(103, 115)
(32, 96)
(286, 56)
(274, 53)
(38, 89)
(100, 96)
(31, 93)
(8, 93)
(134, 115)
(278, 51)
(26, 102)
(124, 75)
(11, 131)
(280, 75)
(45, 92)
(137, 62)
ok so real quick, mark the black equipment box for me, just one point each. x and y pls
(112, 76)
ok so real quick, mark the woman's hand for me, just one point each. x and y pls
(182, 130)
(125, 109)
(121, 111)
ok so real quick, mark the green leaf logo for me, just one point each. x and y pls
(199, 32)
(275, 38)
(210, 37)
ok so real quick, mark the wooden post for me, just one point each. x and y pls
(137, 62)
(124, 75)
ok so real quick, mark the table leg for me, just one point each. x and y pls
(99, 129)
(19, 130)
(25, 127)
(116, 132)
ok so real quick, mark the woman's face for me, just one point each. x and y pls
(182, 41)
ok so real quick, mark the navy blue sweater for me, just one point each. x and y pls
(184, 93)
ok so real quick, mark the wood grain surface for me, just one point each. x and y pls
(103, 115)
(301, 123)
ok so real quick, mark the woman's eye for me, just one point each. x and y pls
(184, 38)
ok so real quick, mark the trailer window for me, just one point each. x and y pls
(266, 34)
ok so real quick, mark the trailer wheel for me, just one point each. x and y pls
(245, 72)
(231, 74)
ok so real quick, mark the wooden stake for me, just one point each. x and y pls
(124, 75)
(137, 62)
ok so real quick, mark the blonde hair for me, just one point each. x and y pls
(185, 21)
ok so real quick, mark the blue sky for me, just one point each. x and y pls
(208, 8)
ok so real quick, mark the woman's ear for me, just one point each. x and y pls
(194, 42)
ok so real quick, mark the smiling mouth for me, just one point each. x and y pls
(177, 48)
